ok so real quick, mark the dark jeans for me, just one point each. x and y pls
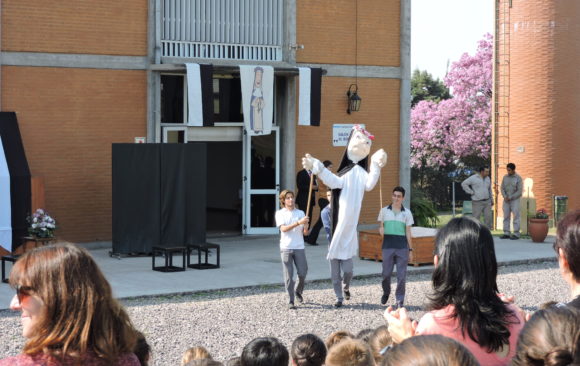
(400, 257)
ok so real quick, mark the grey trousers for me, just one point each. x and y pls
(291, 258)
(479, 207)
(511, 207)
(340, 283)
(390, 258)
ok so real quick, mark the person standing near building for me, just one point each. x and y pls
(293, 224)
(511, 190)
(303, 186)
(395, 228)
(479, 187)
(326, 216)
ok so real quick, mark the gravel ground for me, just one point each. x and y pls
(224, 321)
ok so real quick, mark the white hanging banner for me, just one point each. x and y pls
(5, 204)
(195, 115)
(257, 98)
(304, 96)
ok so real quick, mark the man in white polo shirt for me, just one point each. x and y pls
(479, 187)
(395, 228)
(293, 225)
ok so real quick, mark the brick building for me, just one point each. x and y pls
(536, 119)
(82, 75)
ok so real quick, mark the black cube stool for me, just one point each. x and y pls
(203, 247)
(8, 258)
(168, 254)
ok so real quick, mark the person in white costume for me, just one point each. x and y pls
(348, 188)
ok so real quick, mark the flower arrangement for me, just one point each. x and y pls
(541, 214)
(41, 224)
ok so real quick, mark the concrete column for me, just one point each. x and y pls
(288, 134)
(405, 101)
(288, 106)
(288, 51)
(153, 79)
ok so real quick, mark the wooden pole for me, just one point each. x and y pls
(309, 194)
(380, 191)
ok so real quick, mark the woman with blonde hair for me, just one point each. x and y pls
(429, 350)
(69, 315)
(195, 353)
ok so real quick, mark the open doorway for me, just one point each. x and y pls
(224, 188)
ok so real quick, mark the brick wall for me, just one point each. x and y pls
(379, 112)
(85, 27)
(68, 120)
(544, 85)
(326, 28)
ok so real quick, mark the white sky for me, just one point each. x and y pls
(443, 30)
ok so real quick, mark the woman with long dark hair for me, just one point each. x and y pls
(465, 304)
(69, 315)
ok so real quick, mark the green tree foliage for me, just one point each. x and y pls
(424, 87)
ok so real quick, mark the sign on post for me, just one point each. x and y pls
(340, 133)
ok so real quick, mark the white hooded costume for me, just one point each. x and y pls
(348, 188)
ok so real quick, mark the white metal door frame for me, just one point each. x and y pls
(247, 227)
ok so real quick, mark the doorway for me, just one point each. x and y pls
(224, 188)
(262, 182)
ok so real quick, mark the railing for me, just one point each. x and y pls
(223, 29)
(221, 51)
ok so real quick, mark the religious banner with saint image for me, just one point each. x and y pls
(257, 98)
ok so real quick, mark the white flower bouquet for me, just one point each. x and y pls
(41, 224)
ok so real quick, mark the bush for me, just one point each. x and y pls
(424, 212)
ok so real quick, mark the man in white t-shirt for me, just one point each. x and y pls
(293, 225)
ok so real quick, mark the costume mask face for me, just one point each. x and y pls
(359, 146)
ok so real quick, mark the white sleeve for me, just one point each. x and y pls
(465, 185)
(330, 179)
(410, 220)
(279, 218)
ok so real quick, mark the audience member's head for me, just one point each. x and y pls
(142, 349)
(69, 306)
(379, 341)
(365, 334)
(266, 351)
(336, 337)
(429, 350)
(195, 353)
(308, 350)
(234, 361)
(350, 352)
(550, 337)
(567, 246)
(465, 276)
(203, 362)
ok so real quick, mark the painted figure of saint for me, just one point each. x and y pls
(257, 102)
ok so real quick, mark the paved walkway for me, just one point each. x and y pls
(253, 261)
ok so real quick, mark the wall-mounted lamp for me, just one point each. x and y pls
(353, 99)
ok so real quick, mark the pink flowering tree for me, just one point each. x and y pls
(457, 131)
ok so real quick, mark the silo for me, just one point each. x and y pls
(537, 96)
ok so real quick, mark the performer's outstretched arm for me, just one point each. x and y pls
(378, 160)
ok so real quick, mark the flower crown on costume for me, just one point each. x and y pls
(359, 128)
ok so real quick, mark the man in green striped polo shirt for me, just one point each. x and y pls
(395, 227)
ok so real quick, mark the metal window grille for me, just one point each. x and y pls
(222, 29)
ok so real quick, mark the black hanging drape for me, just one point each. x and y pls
(159, 196)
(20, 190)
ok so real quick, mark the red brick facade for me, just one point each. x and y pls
(327, 31)
(68, 119)
(69, 116)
